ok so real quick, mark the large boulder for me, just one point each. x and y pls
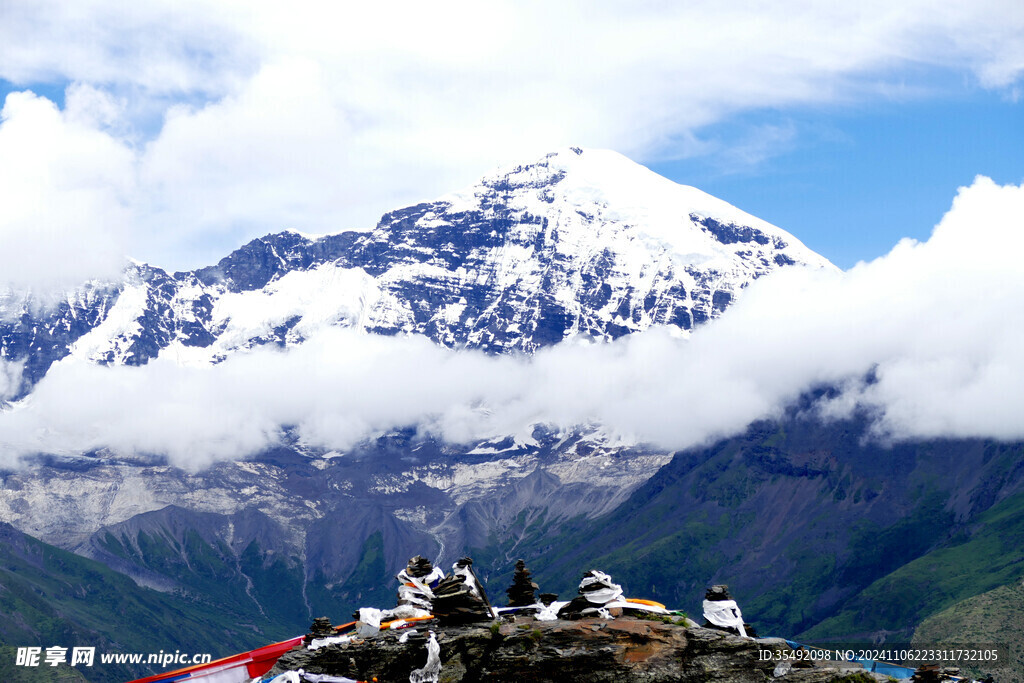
(623, 650)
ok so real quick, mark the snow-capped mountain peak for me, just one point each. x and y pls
(607, 187)
(578, 242)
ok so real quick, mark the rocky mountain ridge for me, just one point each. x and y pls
(576, 243)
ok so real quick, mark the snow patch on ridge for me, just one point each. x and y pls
(303, 300)
(111, 341)
(604, 187)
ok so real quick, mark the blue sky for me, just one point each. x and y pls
(172, 133)
(851, 183)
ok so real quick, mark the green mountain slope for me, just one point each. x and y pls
(989, 554)
(249, 566)
(50, 597)
(800, 518)
(994, 617)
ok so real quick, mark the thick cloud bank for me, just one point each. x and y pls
(939, 323)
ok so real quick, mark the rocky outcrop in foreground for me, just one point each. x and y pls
(622, 650)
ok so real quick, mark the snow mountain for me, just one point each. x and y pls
(579, 242)
(818, 529)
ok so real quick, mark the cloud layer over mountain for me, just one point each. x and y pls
(939, 323)
(189, 126)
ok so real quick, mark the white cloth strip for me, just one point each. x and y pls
(724, 613)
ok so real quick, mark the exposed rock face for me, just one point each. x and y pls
(586, 651)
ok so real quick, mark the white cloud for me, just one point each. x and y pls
(249, 117)
(280, 148)
(161, 46)
(66, 192)
(951, 362)
(10, 379)
(939, 322)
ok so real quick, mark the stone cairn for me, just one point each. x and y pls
(720, 593)
(596, 590)
(419, 567)
(419, 570)
(459, 598)
(321, 628)
(523, 591)
(717, 593)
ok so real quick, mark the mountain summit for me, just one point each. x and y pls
(606, 195)
(579, 242)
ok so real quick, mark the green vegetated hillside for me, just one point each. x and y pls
(247, 565)
(368, 584)
(988, 554)
(9, 671)
(184, 550)
(50, 597)
(993, 617)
